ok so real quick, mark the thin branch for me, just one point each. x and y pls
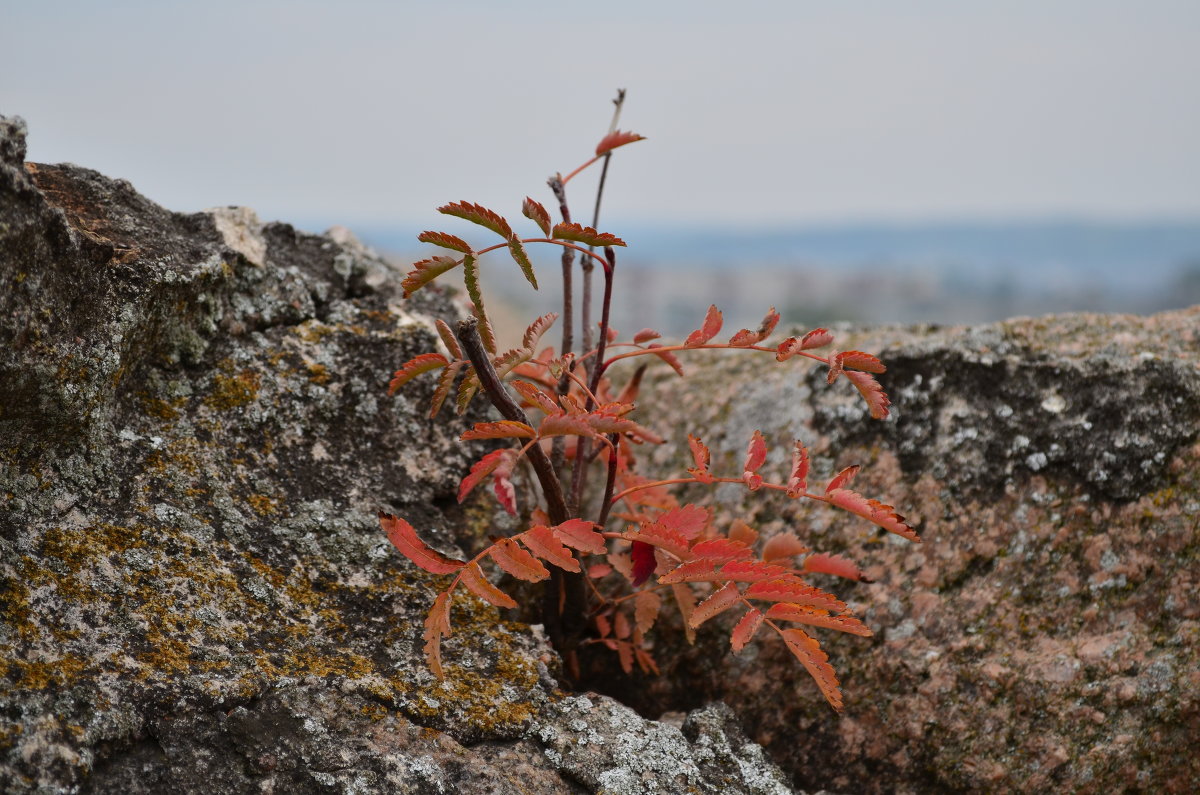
(472, 345)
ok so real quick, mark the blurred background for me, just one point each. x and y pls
(928, 161)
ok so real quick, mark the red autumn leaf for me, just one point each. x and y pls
(744, 632)
(668, 357)
(688, 521)
(404, 538)
(701, 456)
(746, 337)
(756, 454)
(448, 339)
(751, 571)
(536, 329)
(740, 531)
(481, 469)
(718, 602)
(692, 571)
(478, 214)
(599, 570)
(472, 577)
(710, 328)
(425, 271)
(534, 211)
(842, 478)
(857, 360)
(818, 618)
(835, 369)
(721, 550)
(562, 424)
(502, 484)
(798, 481)
(782, 546)
(659, 535)
(872, 392)
(502, 429)
(579, 534)
(645, 335)
(816, 661)
(614, 139)
(444, 384)
(517, 561)
(437, 624)
(542, 542)
(535, 396)
(873, 511)
(621, 626)
(517, 249)
(795, 590)
(817, 338)
(644, 562)
(823, 563)
(585, 235)
(685, 600)
(445, 241)
(646, 605)
(414, 367)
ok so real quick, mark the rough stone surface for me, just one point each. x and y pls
(194, 592)
(1045, 636)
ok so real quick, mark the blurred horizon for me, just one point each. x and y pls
(931, 157)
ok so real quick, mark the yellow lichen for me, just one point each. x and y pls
(232, 391)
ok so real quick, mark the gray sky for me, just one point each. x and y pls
(756, 112)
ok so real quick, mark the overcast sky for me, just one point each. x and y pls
(757, 112)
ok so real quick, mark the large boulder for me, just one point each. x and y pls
(1045, 636)
(195, 595)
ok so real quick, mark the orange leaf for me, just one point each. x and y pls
(688, 521)
(710, 328)
(792, 589)
(746, 337)
(835, 369)
(646, 605)
(740, 531)
(614, 139)
(809, 652)
(404, 538)
(437, 624)
(585, 235)
(478, 214)
(476, 583)
(842, 478)
(756, 454)
(414, 367)
(579, 534)
(535, 396)
(517, 249)
(721, 600)
(701, 456)
(818, 618)
(502, 429)
(561, 424)
(685, 600)
(798, 482)
(817, 338)
(857, 360)
(782, 547)
(743, 633)
(668, 357)
(444, 384)
(426, 271)
(823, 563)
(873, 511)
(448, 339)
(645, 335)
(660, 535)
(536, 329)
(692, 571)
(721, 550)
(481, 469)
(751, 571)
(534, 211)
(445, 241)
(517, 561)
(542, 542)
(872, 392)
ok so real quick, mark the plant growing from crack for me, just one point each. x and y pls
(613, 556)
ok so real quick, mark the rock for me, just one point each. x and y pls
(195, 595)
(1045, 636)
